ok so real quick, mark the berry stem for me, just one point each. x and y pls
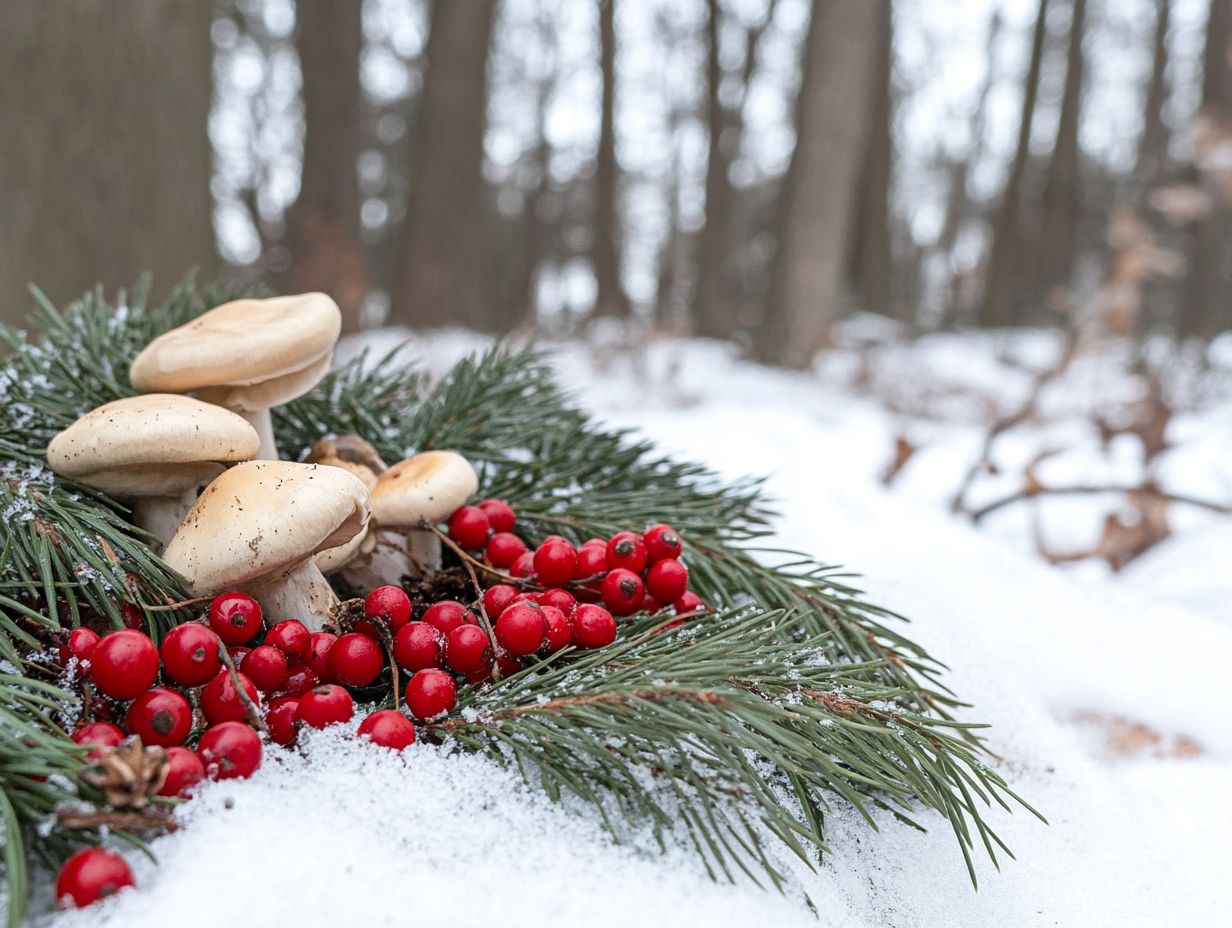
(250, 707)
(468, 562)
(472, 563)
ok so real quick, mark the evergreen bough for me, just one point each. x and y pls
(794, 697)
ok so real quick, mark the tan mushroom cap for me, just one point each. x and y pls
(159, 444)
(243, 344)
(350, 452)
(264, 518)
(425, 488)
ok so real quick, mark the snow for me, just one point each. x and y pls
(1055, 659)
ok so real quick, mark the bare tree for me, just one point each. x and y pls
(714, 312)
(1153, 143)
(1003, 261)
(610, 296)
(105, 156)
(1207, 304)
(872, 264)
(323, 224)
(817, 198)
(438, 275)
(1061, 207)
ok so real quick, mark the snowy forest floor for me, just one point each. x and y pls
(1108, 693)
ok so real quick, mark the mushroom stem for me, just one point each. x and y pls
(161, 516)
(302, 594)
(388, 561)
(425, 549)
(260, 420)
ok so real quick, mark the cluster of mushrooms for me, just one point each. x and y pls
(269, 527)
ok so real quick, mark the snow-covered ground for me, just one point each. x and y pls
(1109, 697)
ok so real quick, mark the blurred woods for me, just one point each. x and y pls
(751, 170)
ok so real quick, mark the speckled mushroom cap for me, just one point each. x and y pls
(159, 444)
(350, 452)
(425, 488)
(250, 354)
(265, 518)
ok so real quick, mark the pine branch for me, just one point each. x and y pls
(749, 723)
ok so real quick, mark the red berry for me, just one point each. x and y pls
(591, 561)
(184, 771)
(238, 654)
(97, 735)
(431, 693)
(266, 667)
(389, 728)
(79, 647)
(467, 649)
(593, 626)
(280, 720)
(356, 660)
(388, 604)
(190, 654)
(662, 541)
(469, 527)
(688, 602)
(555, 561)
(328, 704)
(124, 664)
(89, 876)
(667, 580)
(623, 591)
(229, 750)
(418, 645)
(291, 638)
(160, 717)
(561, 599)
(221, 702)
(500, 515)
(560, 632)
(496, 599)
(131, 615)
(650, 604)
(479, 675)
(508, 664)
(504, 548)
(300, 679)
(447, 615)
(524, 566)
(236, 617)
(521, 629)
(627, 550)
(318, 655)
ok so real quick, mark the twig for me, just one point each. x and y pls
(497, 650)
(250, 707)
(702, 697)
(149, 820)
(1031, 492)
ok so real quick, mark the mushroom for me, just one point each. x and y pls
(257, 527)
(153, 451)
(247, 356)
(419, 492)
(354, 454)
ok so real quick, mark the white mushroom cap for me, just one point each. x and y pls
(263, 519)
(245, 343)
(426, 488)
(155, 445)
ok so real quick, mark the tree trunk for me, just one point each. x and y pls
(817, 199)
(872, 266)
(1061, 186)
(610, 296)
(1005, 257)
(323, 224)
(713, 311)
(1207, 304)
(1153, 144)
(439, 269)
(105, 155)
